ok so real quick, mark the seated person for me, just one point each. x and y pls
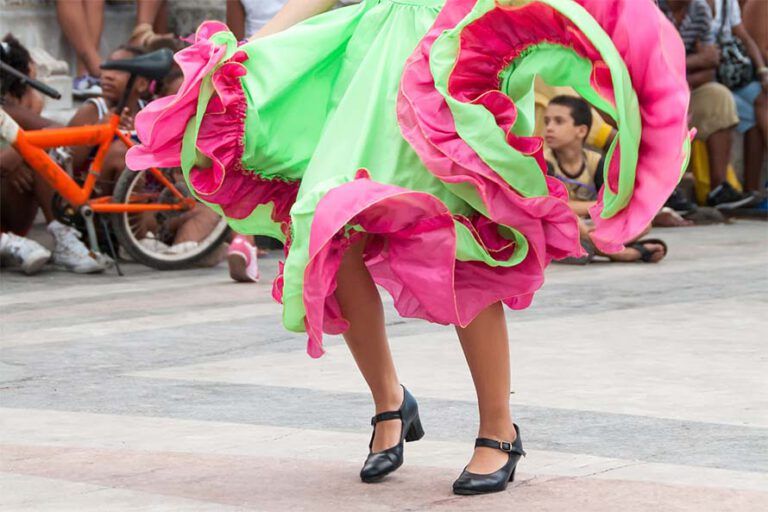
(567, 121)
(712, 109)
(23, 191)
(189, 228)
(751, 97)
(97, 111)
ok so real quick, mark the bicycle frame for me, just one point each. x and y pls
(31, 146)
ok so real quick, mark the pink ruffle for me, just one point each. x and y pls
(655, 57)
(486, 47)
(427, 123)
(410, 251)
(220, 137)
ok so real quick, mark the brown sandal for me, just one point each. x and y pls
(143, 36)
(646, 255)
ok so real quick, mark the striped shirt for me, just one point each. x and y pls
(696, 25)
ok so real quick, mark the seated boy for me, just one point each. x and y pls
(567, 121)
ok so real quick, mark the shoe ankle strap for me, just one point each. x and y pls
(505, 446)
(384, 416)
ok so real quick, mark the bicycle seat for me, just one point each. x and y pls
(153, 65)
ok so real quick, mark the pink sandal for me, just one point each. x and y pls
(242, 259)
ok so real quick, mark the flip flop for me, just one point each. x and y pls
(646, 255)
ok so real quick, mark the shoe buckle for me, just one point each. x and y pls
(505, 446)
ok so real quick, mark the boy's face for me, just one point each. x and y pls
(560, 130)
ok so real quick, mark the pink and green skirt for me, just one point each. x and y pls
(411, 121)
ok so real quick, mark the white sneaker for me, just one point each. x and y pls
(150, 243)
(17, 250)
(71, 253)
(181, 248)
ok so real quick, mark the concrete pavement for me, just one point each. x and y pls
(636, 387)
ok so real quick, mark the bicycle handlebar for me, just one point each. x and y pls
(48, 91)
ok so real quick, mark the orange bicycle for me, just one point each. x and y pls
(145, 207)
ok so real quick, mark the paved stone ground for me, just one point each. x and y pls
(637, 387)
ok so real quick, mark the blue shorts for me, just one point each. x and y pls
(745, 105)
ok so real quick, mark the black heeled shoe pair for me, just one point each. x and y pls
(380, 464)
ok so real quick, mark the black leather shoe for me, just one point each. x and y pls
(472, 483)
(380, 464)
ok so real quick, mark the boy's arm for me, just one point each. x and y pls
(701, 77)
(706, 56)
(754, 53)
(581, 208)
(27, 119)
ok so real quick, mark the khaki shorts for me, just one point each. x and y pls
(712, 109)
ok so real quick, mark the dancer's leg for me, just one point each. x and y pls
(367, 340)
(486, 348)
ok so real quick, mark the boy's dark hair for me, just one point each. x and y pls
(581, 112)
(15, 55)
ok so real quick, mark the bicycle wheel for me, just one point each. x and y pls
(165, 240)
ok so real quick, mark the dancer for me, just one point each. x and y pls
(389, 143)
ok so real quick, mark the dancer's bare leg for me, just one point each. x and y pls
(486, 348)
(367, 340)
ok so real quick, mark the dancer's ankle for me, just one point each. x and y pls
(391, 400)
(502, 431)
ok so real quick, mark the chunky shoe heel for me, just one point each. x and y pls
(380, 464)
(473, 483)
(415, 432)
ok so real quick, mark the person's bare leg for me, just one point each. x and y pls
(755, 142)
(754, 155)
(17, 209)
(72, 20)
(44, 197)
(147, 11)
(486, 348)
(94, 18)
(367, 340)
(719, 150)
(161, 19)
(198, 223)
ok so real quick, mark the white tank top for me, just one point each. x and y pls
(259, 12)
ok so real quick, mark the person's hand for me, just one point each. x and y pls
(22, 179)
(762, 74)
(126, 120)
(710, 53)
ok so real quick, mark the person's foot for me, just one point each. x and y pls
(679, 203)
(86, 86)
(144, 36)
(387, 433)
(71, 253)
(649, 252)
(725, 197)
(242, 259)
(487, 460)
(669, 218)
(28, 254)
